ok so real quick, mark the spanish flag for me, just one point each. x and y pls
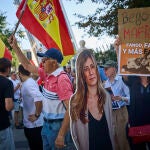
(4, 52)
(45, 20)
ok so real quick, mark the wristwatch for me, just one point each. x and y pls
(37, 115)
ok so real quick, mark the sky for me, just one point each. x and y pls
(70, 8)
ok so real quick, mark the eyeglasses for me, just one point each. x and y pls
(45, 59)
(89, 68)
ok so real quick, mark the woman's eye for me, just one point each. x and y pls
(92, 66)
(86, 69)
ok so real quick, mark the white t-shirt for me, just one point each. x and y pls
(31, 94)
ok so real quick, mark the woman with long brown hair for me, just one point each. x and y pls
(90, 107)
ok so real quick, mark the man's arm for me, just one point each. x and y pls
(117, 42)
(24, 61)
(127, 94)
(38, 106)
(9, 105)
(17, 87)
(59, 142)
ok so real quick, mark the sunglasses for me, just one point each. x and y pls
(45, 59)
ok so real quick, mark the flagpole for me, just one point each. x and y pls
(68, 25)
(20, 17)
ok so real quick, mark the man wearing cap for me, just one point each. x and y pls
(120, 98)
(57, 91)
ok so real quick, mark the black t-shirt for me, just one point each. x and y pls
(139, 109)
(99, 134)
(6, 91)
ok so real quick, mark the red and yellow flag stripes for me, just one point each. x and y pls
(4, 52)
(45, 20)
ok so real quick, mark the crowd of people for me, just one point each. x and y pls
(90, 108)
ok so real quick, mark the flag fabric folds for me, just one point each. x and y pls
(45, 20)
(4, 52)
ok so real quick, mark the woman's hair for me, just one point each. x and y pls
(4, 64)
(23, 71)
(79, 99)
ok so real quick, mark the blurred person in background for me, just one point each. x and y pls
(70, 73)
(17, 96)
(120, 99)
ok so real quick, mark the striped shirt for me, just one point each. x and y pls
(119, 89)
(57, 87)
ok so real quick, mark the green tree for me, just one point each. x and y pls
(103, 56)
(5, 33)
(105, 20)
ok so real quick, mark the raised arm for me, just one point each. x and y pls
(116, 46)
(22, 58)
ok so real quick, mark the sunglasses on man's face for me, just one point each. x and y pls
(45, 59)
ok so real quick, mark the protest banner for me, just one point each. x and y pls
(134, 32)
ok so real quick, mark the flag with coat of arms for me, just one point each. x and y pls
(45, 20)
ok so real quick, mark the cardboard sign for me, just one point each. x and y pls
(134, 32)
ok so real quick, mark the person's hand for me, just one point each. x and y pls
(125, 77)
(116, 98)
(32, 118)
(18, 85)
(12, 41)
(117, 42)
(59, 142)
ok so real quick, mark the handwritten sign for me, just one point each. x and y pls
(134, 32)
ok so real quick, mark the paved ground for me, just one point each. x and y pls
(20, 140)
(19, 137)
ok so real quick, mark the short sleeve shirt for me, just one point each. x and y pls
(6, 91)
(57, 82)
(57, 87)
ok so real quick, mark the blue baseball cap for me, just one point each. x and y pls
(52, 53)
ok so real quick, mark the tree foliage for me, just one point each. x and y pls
(105, 20)
(5, 33)
(103, 56)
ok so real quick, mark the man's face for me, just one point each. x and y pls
(90, 73)
(49, 65)
(14, 76)
(109, 71)
(20, 76)
(68, 69)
